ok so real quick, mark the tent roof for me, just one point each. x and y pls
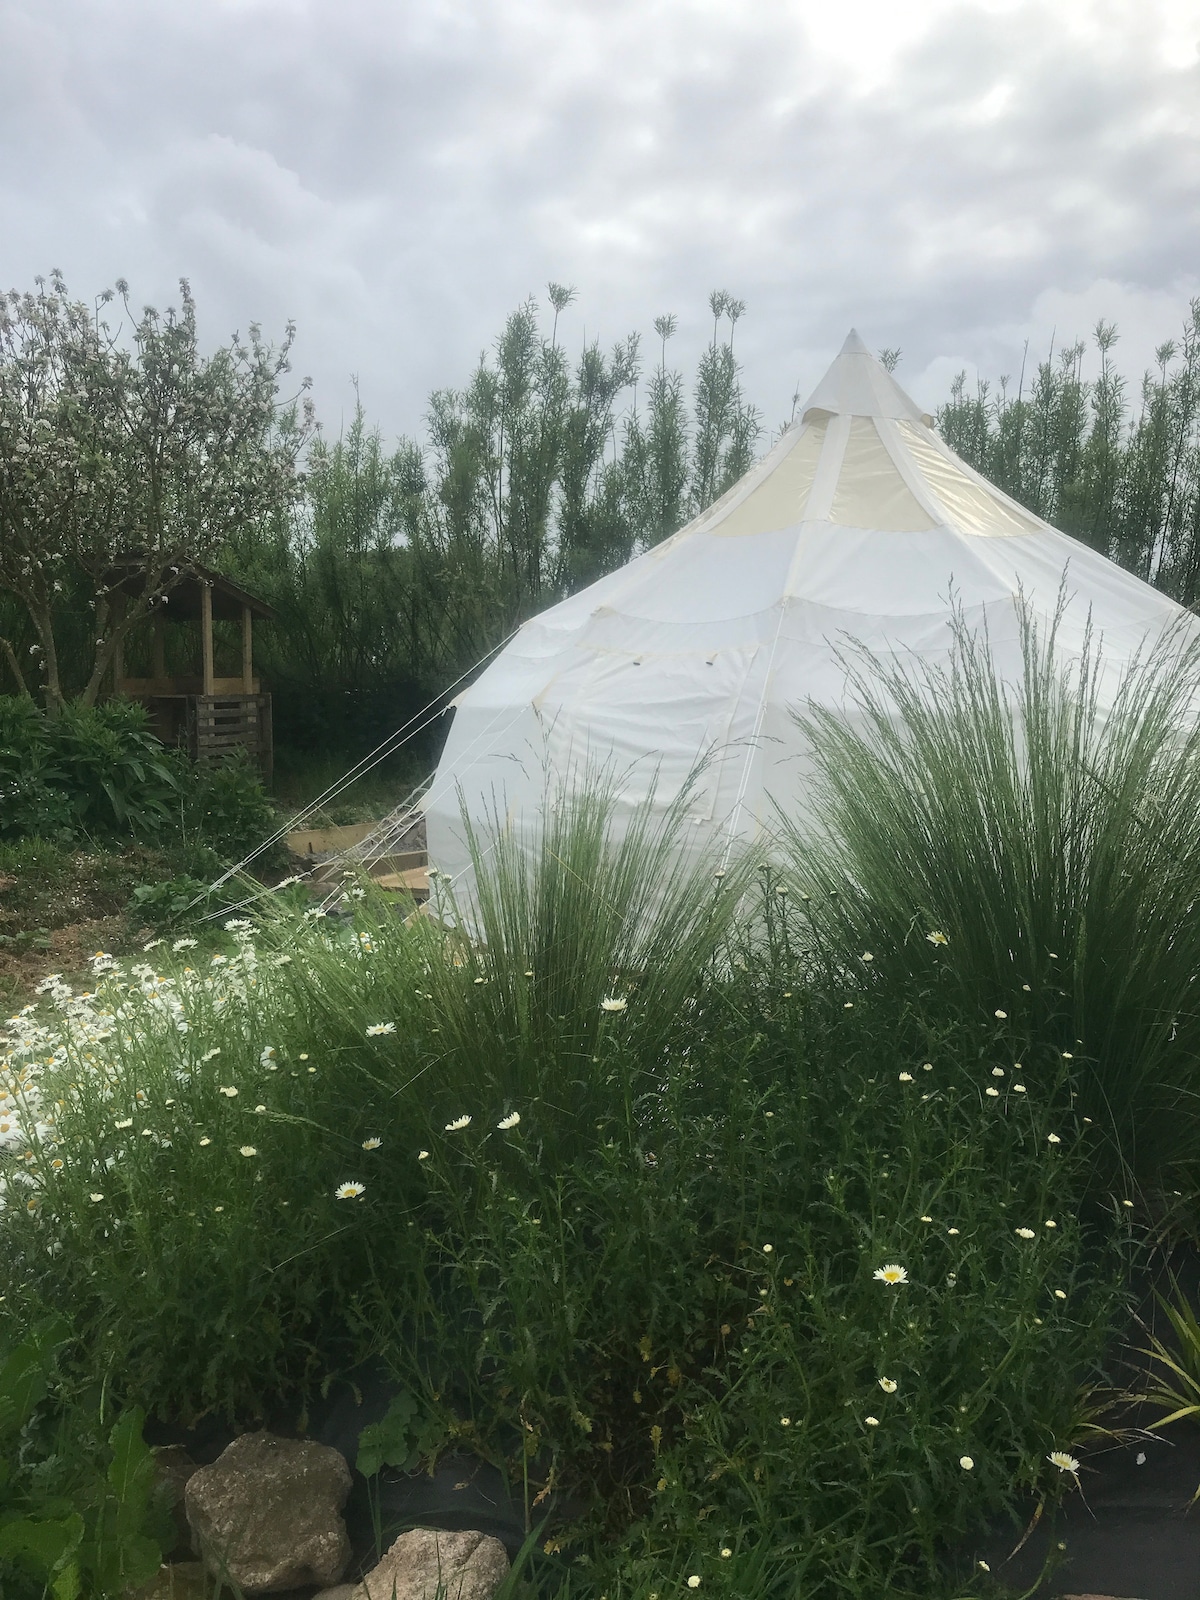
(863, 455)
(859, 385)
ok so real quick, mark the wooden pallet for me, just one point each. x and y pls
(223, 723)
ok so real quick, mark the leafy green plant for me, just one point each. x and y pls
(87, 771)
(227, 810)
(119, 776)
(78, 1517)
(408, 1434)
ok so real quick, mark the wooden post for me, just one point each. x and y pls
(159, 668)
(206, 635)
(247, 651)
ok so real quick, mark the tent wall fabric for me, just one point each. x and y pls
(861, 525)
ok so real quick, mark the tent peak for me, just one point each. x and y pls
(859, 385)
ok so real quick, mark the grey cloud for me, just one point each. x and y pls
(397, 177)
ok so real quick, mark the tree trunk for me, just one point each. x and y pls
(11, 657)
(43, 621)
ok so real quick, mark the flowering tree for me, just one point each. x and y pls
(123, 457)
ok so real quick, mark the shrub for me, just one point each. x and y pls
(227, 809)
(1022, 848)
(98, 772)
(91, 770)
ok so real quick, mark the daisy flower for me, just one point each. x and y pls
(892, 1274)
(1025, 1233)
(510, 1121)
(1064, 1462)
(349, 1191)
(371, 1144)
(248, 1150)
(377, 1028)
(458, 1124)
(613, 1003)
(967, 1463)
(936, 937)
(888, 1385)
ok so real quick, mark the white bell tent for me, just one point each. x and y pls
(860, 524)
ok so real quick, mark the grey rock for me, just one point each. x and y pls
(266, 1515)
(428, 1564)
(340, 1591)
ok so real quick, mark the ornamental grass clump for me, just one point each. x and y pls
(1020, 840)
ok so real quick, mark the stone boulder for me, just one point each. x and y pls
(428, 1564)
(267, 1515)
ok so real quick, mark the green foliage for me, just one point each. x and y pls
(98, 773)
(1073, 451)
(226, 810)
(402, 568)
(123, 448)
(629, 1254)
(408, 1434)
(78, 1511)
(90, 771)
(1020, 844)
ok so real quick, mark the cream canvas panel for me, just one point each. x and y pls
(863, 574)
(650, 722)
(870, 491)
(710, 579)
(780, 499)
(968, 504)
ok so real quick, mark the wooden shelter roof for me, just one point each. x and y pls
(181, 594)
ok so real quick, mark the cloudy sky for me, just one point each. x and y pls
(950, 176)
